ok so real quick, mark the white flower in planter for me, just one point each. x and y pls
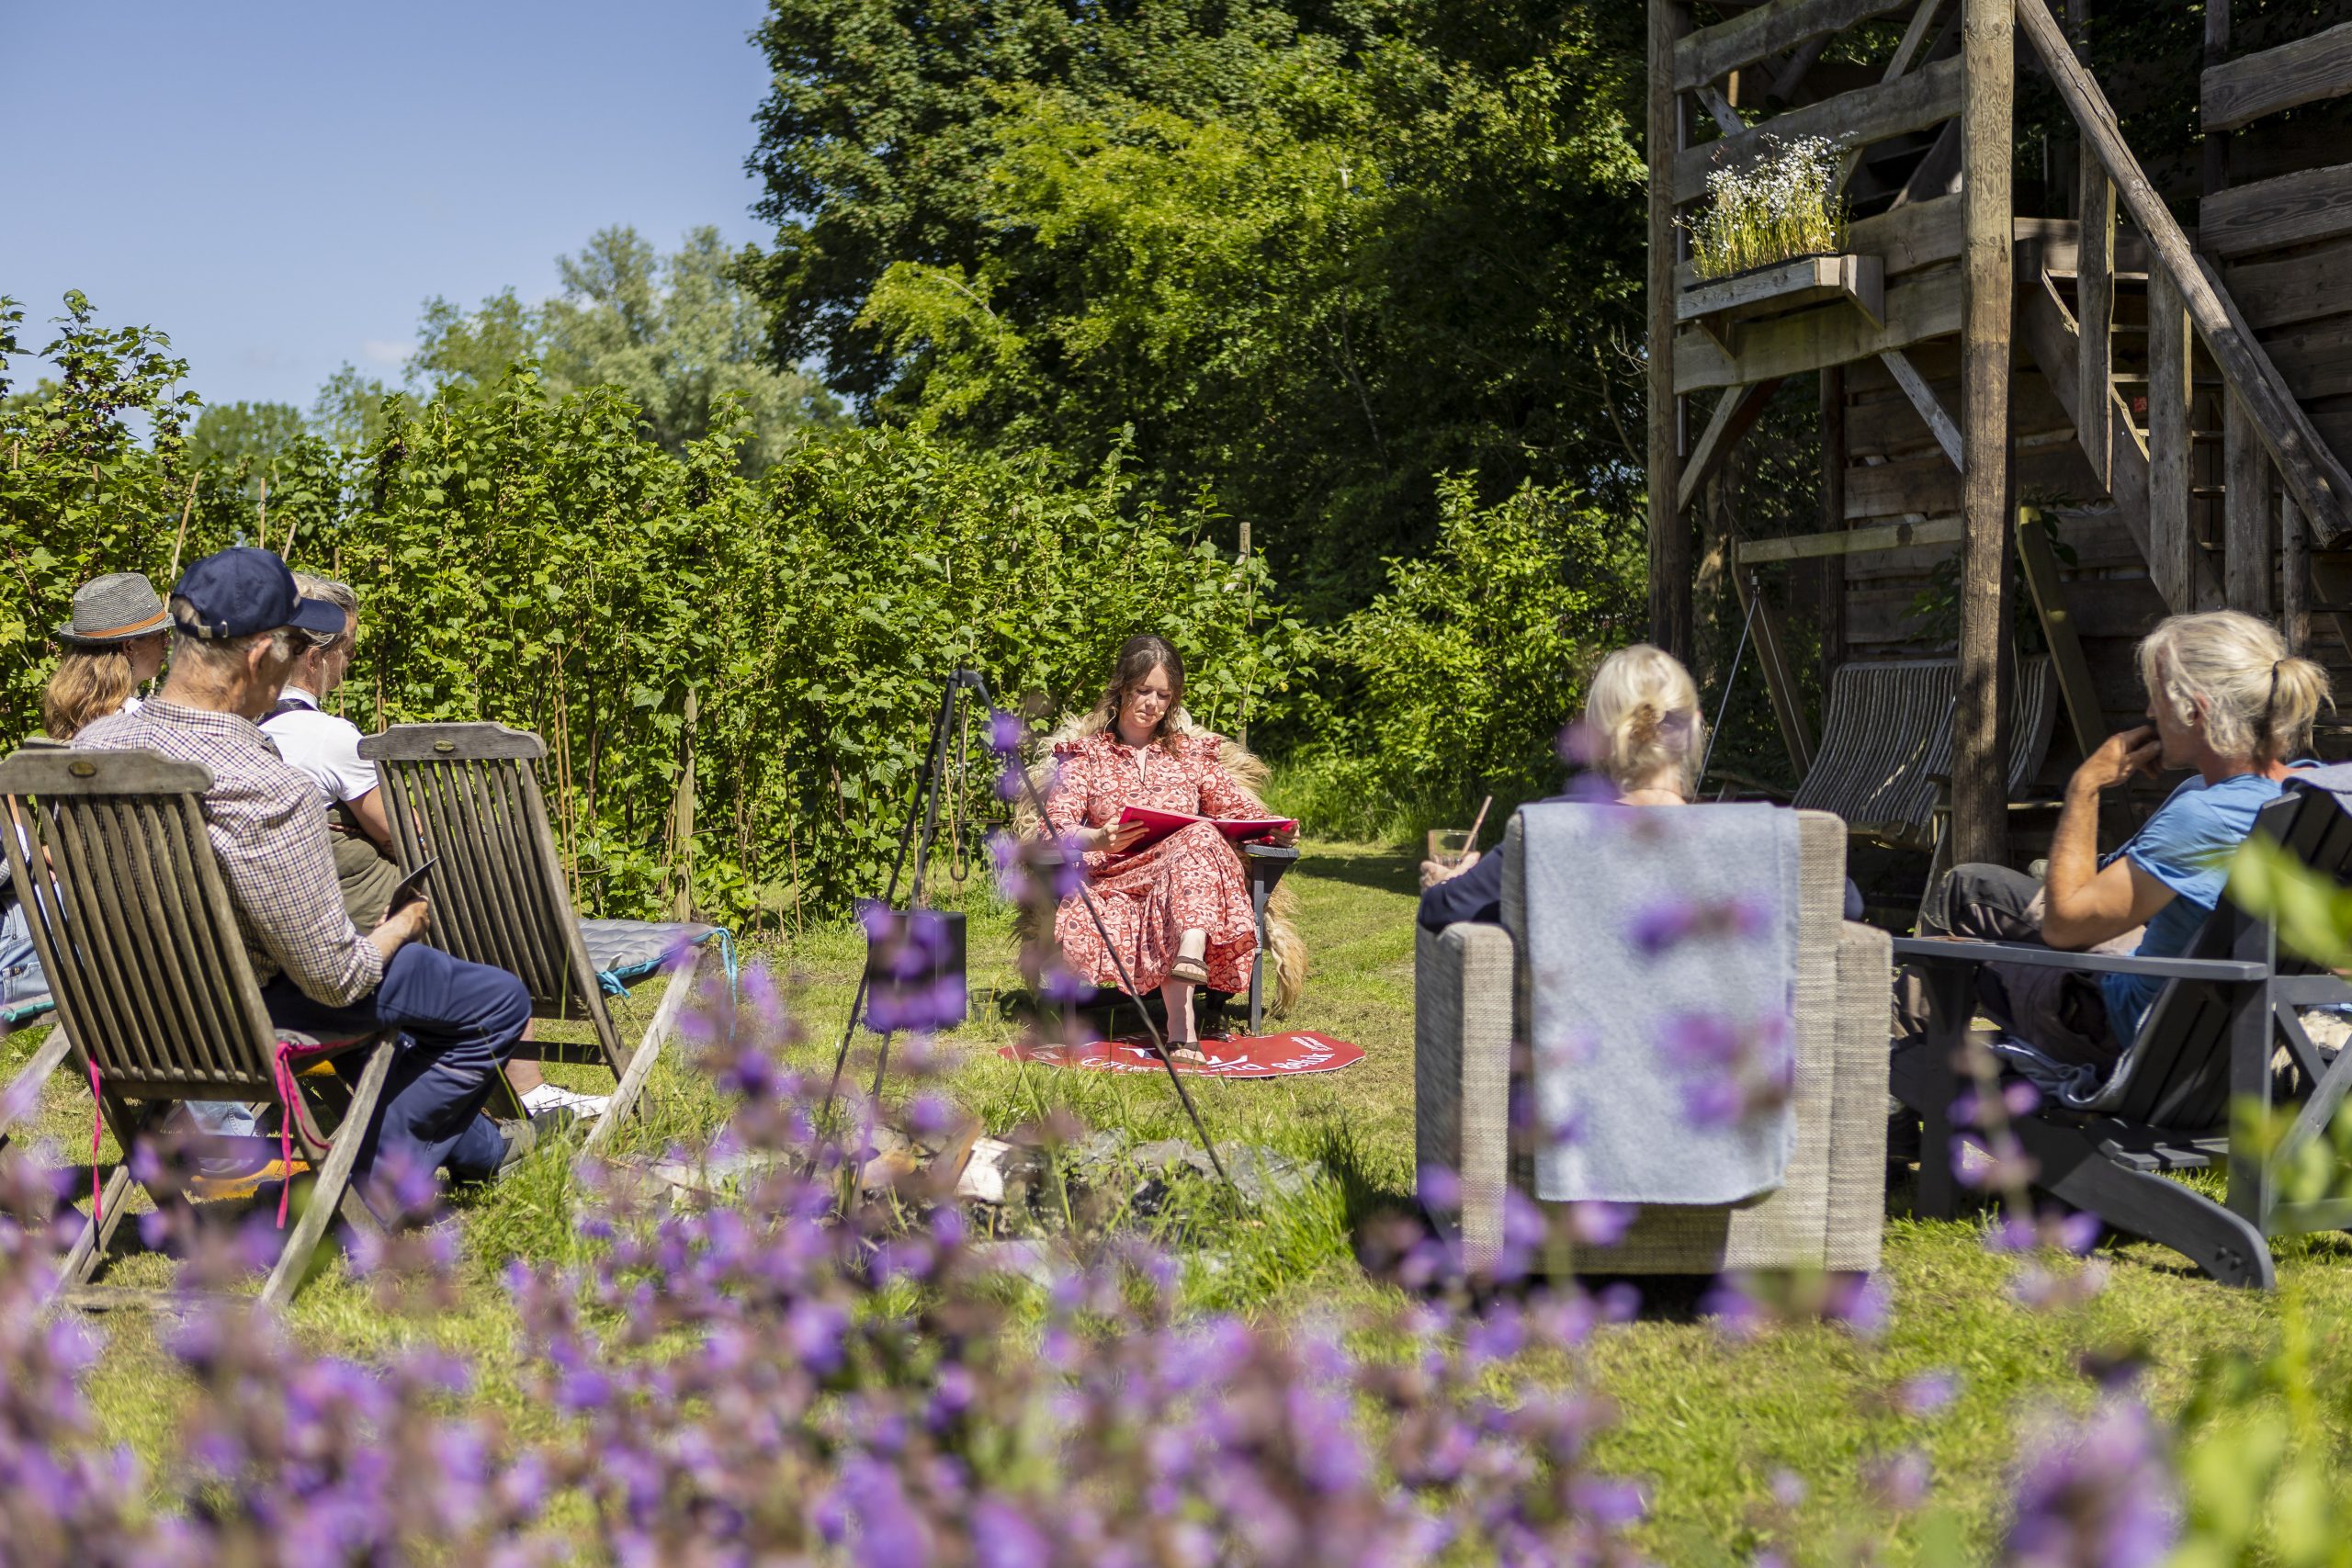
(1784, 205)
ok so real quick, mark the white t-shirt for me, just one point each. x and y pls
(322, 745)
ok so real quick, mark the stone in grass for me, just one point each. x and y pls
(1260, 1175)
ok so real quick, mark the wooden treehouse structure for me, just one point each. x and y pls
(2179, 391)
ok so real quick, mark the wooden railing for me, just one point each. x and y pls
(2185, 295)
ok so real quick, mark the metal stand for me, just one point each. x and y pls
(925, 806)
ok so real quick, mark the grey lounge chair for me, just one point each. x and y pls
(136, 933)
(1470, 1005)
(2228, 1006)
(469, 795)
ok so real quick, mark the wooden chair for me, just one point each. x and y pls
(1886, 752)
(2207, 1044)
(156, 1003)
(469, 795)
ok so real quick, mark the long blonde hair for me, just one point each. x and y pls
(1641, 719)
(2231, 673)
(92, 681)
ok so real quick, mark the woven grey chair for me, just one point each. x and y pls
(1470, 1003)
(156, 1002)
(467, 795)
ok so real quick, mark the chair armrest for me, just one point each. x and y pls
(1463, 981)
(1934, 950)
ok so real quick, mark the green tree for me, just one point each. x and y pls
(1303, 265)
(678, 334)
(229, 433)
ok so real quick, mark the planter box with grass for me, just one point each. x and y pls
(1717, 306)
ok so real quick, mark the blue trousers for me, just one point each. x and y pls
(458, 1024)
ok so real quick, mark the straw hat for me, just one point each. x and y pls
(117, 607)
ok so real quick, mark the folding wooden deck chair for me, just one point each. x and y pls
(469, 795)
(2228, 1006)
(156, 1003)
(1885, 749)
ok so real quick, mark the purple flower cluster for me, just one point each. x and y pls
(914, 976)
(2095, 1491)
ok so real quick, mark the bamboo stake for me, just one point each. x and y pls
(186, 507)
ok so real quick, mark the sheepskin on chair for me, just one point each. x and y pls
(1287, 947)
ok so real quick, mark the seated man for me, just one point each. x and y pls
(2225, 700)
(237, 625)
(325, 747)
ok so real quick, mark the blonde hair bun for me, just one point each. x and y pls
(1642, 720)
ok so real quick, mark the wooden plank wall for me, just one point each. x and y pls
(1895, 472)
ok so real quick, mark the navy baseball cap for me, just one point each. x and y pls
(243, 591)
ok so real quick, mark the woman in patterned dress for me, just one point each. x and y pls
(1177, 912)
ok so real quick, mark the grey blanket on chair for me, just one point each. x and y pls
(1662, 952)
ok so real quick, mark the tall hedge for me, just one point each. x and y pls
(538, 562)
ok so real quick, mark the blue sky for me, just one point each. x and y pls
(280, 185)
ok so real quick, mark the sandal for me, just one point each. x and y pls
(1191, 968)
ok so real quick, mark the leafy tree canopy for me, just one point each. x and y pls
(1304, 259)
(675, 334)
(231, 432)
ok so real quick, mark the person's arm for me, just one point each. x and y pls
(280, 866)
(368, 809)
(1476, 894)
(2082, 904)
(1067, 810)
(400, 928)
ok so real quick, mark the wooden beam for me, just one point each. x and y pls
(2305, 286)
(1798, 345)
(1850, 541)
(2270, 215)
(2318, 483)
(1670, 534)
(1912, 102)
(2246, 512)
(1792, 76)
(1774, 28)
(2172, 550)
(1726, 117)
(1914, 37)
(1936, 173)
(1980, 793)
(1923, 398)
(2037, 564)
(2304, 72)
(1735, 412)
(2095, 315)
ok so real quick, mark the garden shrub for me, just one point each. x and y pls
(1458, 679)
(542, 563)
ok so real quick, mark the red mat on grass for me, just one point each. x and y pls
(1239, 1056)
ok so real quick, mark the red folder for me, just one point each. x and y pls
(1162, 823)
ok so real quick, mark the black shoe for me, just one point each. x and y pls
(523, 1136)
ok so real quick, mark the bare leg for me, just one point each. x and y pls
(1191, 949)
(1181, 1042)
(523, 1073)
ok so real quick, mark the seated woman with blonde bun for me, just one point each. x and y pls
(1643, 737)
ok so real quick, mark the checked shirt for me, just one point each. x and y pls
(268, 828)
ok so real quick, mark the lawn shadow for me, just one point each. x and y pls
(1396, 871)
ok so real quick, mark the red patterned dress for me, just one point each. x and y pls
(1150, 897)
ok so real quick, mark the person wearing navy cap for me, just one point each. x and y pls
(237, 622)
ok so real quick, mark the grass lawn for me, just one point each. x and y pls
(1708, 1420)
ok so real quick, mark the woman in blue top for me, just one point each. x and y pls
(2225, 700)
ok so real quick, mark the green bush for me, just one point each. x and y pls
(541, 563)
(1457, 679)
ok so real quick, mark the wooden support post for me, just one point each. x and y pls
(1669, 540)
(1831, 584)
(2171, 547)
(2246, 512)
(1980, 805)
(2294, 576)
(2095, 315)
(2216, 167)
(682, 823)
(1735, 411)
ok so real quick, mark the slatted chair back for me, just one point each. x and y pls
(467, 797)
(133, 923)
(2176, 1074)
(1886, 742)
